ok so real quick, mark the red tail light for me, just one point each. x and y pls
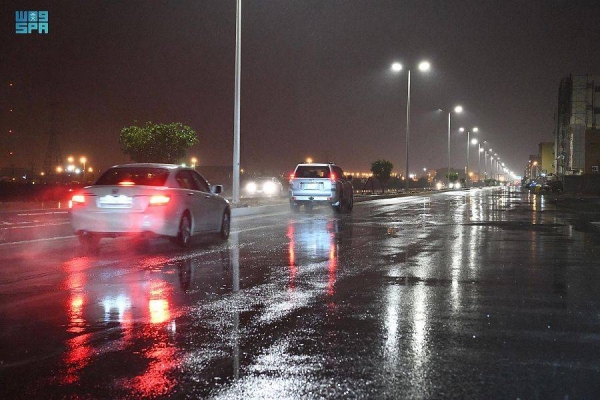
(332, 177)
(159, 200)
(292, 176)
(126, 183)
(77, 199)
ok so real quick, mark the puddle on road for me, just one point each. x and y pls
(512, 225)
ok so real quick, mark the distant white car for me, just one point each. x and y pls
(149, 200)
(263, 187)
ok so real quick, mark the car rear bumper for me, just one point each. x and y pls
(118, 223)
(314, 199)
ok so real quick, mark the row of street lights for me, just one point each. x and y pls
(423, 67)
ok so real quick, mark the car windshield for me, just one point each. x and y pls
(312, 171)
(134, 176)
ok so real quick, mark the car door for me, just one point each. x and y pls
(212, 203)
(193, 198)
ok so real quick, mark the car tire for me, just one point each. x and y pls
(350, 204)
(295, 208)
(340, 207)
(90, 243)
(225, 225)
(184, 235)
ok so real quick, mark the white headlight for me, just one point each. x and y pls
(251, 187)
(269, 188)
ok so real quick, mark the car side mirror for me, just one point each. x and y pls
(216, 189)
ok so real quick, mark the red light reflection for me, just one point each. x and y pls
(292, 256)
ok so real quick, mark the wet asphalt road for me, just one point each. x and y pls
(480, 294)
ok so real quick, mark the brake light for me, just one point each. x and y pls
(77, 199)
(292, 176)
(159, 200)
(332, 177)
(126, 183)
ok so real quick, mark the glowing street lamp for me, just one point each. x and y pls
(475, 130)
(194, 160)
(457, 110)
(397, 67)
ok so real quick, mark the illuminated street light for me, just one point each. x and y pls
(397, 67)
(309, 160)
(194, 160)
(475, 130)
(457, 110)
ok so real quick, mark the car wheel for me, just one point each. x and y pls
(340, 207)
(90, 243)
(185, 231)
(350, 204)
(225, 225)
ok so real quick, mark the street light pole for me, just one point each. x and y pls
(236, 116)
(407, 130)
(423, 66)
(448, 171)
(458, 110)
(479, 162)
(475, 129)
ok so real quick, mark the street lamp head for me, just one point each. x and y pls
(396, 67)
(474, 141)
(481, 149)
(461, 129)
(458, 109)
(475, 129)
(424, 66)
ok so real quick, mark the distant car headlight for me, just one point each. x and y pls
(457, 185)
(251, 187)
(269, 188)
(438, 185)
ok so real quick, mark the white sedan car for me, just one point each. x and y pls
(149, 200)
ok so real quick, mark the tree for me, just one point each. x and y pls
(452, 177)
(158, 143)
(382, 170)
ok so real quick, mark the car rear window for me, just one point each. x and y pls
(312, 171)
(134, 176)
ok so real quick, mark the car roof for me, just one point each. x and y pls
(149, 165)
(316, 164)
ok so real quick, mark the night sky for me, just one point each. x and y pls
(316, 77)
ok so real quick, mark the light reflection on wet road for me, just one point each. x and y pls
(481, 294)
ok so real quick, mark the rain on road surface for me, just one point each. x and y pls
(467, 294)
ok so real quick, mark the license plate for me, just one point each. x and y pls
(311, 186)
(115, 201)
